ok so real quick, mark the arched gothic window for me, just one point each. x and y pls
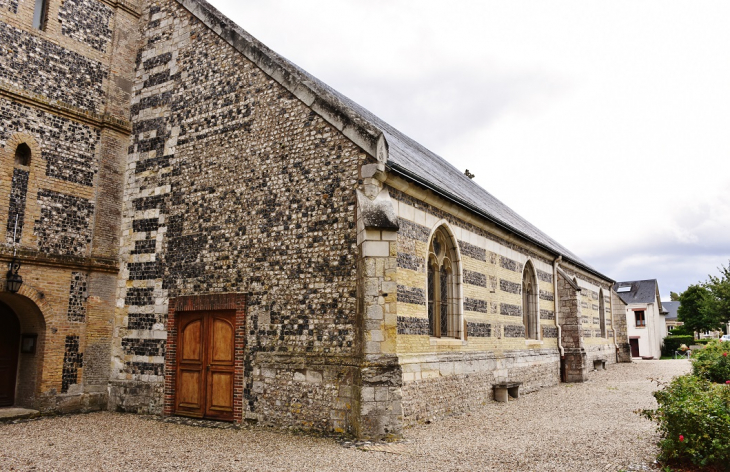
(443, 299)
(529, 302)
(602, 313)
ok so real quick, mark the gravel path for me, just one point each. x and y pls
(571, 427)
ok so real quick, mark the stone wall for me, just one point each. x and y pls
(456, 383)
(234, 185)
(62, 97)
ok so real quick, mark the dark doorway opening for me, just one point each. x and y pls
(634, 347)
(9, 346)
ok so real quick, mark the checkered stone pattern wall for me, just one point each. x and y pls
(9, 5)
(283, 230)
(70, 156)
(87, 21)
(16, 211)
(37, 65)
(64, 226)
(77, 297)
(73, 360)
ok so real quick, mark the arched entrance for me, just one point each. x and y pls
(9, 347)
(22, 345)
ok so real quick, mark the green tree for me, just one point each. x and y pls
(719, 301)
(674, 296)
(695, 309)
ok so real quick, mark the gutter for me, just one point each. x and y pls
(403, 172)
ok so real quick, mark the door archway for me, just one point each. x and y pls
(26, 308)
(9, 347)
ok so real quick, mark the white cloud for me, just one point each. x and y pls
(603, 123)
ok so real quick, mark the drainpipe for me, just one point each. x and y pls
(557, 305)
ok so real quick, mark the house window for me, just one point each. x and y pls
(640, 320)
(602, 313)
(443, 306)
(40, 14)
(529, 302)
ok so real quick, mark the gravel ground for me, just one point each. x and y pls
(571, 427)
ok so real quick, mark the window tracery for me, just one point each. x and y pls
(443, 309)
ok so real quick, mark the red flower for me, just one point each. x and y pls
(724, 354)
(681, 438)
(727, 382)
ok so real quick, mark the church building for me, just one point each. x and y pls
(204, 229)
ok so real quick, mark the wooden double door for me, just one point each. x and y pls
(205, 364)
(9, 345)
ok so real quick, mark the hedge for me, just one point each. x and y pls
(672, 343)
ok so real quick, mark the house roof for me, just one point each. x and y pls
(405, 157)
(671, 308)
(639, 291)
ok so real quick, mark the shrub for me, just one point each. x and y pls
(712, 362)
(672, 343)
(694, 421)
(703, 342)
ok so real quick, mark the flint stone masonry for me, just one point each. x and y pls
(549, 332)
(411, 262)
(547, 296)
(510, 287)
(144, 347)
(510, 310)
(73, 360)
(412, 295)
(39, 66)
(509, 264)
(478, 330)
(473, 304)
(64, 226)
(78, 296)
(547, 314)
(411, 230)
(18, 192)
(514, 331)
(544, 276)
(86, 21)
(10, 5)
(475, 278)
(420, 205)
(413, 325)
(70, 156)
(283, 230)
(470, 250)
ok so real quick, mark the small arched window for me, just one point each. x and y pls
(602, 313)
(443, 270)
(22, 155)
(529, 302)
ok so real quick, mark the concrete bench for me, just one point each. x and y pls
(599, 364)
(502, 391)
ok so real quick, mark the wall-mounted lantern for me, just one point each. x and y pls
(14, 280)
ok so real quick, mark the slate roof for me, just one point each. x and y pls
(642, 291)
(671, 308)
(406, 157)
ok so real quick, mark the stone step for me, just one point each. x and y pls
(12, 413)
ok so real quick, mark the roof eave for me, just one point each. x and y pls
(403, 172)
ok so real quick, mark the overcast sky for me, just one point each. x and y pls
(605, 124)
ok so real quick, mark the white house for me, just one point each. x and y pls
(645, 317)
